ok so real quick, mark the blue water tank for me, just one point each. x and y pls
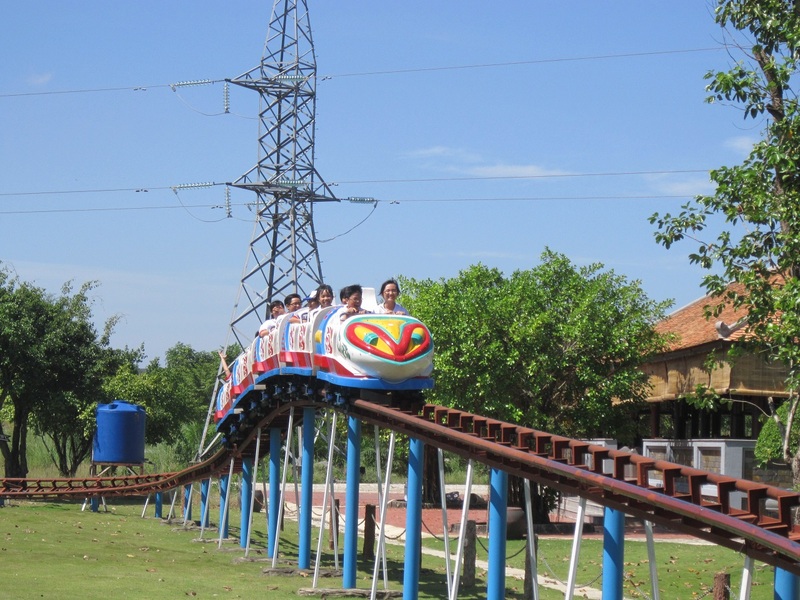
(119, 438)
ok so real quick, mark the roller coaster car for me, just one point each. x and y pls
(328, 352)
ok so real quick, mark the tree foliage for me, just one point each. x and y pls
(172, 395)
(556, 347)
(769, 446)
(758, 246)
(52, 363)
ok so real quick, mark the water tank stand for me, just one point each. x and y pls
(130, 469)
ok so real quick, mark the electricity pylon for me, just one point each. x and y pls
(283, 255)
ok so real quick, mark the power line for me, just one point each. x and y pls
(375, 181)
(98, 191)
(139, 88)
(385, 202)
(109, 209)
(522, 62)
(542, 198)
(112, 190)
(133, 88)
(539, 176)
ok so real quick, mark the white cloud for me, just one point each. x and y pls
(741, 144)
(465, 162)
(444, 152)
(677, 185)
(156, 308)
(501, 170)
(40, 79)
(481, 255)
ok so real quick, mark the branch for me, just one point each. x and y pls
(777, 419)
(787, 454)
(754, 405)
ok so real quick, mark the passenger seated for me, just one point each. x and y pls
(352, 294)
(390, 290)
(311, 303)
(276, 310)
(325, 295)
(293, 303)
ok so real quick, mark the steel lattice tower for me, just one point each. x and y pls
(283, 255)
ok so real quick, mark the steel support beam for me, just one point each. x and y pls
(613, 553)
(411, 568)
(498, 519)
(350, 567)
(786, 585)
(306, 490)
(273, 510)
(245, 495)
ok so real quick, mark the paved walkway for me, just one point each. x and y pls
(395, 528)
(433, 521)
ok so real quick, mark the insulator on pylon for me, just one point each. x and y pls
(186, 186)
(190, 83)
(226, 95)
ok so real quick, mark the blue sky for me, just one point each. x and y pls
(487, 131)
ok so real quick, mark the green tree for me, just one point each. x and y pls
(173, 395)
(51, 366)
(68, 423)
(758, 201)
(192, 374)
(556, 347)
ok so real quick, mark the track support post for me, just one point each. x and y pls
(787, 585)
(224, 482)
(498, 520)
(205, 486)
(307, 490)
(613, 553)
(273, 509)
(416, 451)
(350, 567)
(245, 496)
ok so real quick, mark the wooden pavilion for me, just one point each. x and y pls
(676, 373)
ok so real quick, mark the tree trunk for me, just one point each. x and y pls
(68, 451)
(17, 461)
(516, 497)
(431, 492)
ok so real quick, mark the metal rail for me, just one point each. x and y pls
(661, 492)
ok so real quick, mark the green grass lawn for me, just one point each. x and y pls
(54, 550)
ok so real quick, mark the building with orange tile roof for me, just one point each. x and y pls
(747, 382)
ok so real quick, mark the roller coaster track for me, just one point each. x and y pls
(684, 499)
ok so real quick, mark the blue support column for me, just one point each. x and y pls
(187, 499)
(205, 485)
(159, 503)
(95, 503)
(613, 553)
(411, 566)
(786, 585)
(350, 567)
(306, 490)
(498, 520)
(223, 494)
(274, 488)
(245, 494)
